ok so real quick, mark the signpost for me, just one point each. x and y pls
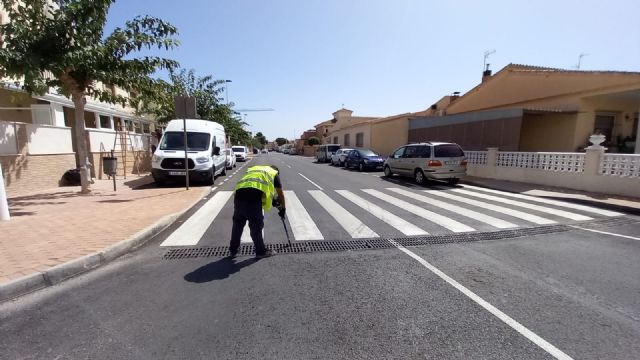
(185, 108)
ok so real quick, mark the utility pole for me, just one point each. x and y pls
(577, 67)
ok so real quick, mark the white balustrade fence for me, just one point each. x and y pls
(476, 157)
(565, 162)
(626, 165)
(593, 171)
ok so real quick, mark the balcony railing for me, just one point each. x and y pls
(625, 165)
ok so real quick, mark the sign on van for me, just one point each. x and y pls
(185, 107)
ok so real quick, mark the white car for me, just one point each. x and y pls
(241, 152)
(231, 158)
(338, 158)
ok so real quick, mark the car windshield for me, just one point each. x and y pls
(174, 140)
(238, 149)
(448, 150)
(367, 153)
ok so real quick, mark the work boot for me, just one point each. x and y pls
(232, 254)
(266, 254)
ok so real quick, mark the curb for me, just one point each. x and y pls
(64, 271)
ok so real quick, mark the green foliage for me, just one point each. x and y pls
(313, 141)
(281, 141)
(261, 138)
(60, 44)
(206, 91)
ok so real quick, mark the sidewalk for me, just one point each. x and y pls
(55, 226)
(614, 202)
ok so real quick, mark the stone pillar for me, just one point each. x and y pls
(111, 124)
(592, 160)
(492, 156)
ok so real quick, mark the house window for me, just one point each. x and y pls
(145, 128)
(335, 139)
(604, 125)
(105, 122)
(41, 115)
(359, 139)
(137, 127)
(89, 120)
(346, 140)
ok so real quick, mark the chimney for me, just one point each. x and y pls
(486, 74)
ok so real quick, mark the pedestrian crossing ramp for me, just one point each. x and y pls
(392, 212)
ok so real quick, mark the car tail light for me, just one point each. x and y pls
(463, 162)
(434, 163)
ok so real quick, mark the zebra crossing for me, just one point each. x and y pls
(390, 211)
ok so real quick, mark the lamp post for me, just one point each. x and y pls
(226, 90)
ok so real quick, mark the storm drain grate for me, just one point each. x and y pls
(364, 244)
(601, 223)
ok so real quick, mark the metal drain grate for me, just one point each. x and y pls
(618, 221)
(364, 244)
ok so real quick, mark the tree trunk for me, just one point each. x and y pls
(81, 142)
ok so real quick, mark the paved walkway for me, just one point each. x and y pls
(54, 226)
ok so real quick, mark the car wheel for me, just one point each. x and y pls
(418, 176)
(212, 177)
(453, 181)
(361, 167)
(387, 171)
(234, 164)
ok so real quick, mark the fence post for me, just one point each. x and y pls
(4, 205)
(592, 159)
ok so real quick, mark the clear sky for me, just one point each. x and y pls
(305, 58)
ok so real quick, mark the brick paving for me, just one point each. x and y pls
(50, 227)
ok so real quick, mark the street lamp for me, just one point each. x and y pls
(226, 90)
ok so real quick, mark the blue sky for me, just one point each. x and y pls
(305, 58)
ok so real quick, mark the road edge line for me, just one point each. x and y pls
(67, 270)
(521, 329)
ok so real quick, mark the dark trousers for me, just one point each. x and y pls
(247, 210)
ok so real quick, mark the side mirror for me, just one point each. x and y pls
(216, 150)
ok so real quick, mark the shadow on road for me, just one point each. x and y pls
(217, 270)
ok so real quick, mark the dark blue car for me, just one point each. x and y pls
(364, 159)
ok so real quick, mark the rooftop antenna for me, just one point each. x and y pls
(577, 67)
(486, 56)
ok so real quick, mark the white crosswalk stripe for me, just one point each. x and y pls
(441, 220)
(401, 225)
(495, 222)
(556, 212)
(354, 227)
(499, 209)
(302, 225)
(190, 232)
(584, 208)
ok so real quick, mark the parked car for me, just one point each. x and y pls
(338, 158)
(324, 152)
(293, 151)
(364, 159)
(431, 160)
(231, 158)
(205, 160)
(241, 152)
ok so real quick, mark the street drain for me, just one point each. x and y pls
(384, 243)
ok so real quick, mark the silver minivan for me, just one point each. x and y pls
(324, 152)
(429, 160)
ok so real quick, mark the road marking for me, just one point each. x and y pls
(549, 201)
(349, 223)
(309, 180)
(400, 224)
(530, 335)
(500, 209)
(302, 225)
(288, 166)
(213, 189)
(561, 213)
(190, 232)
(495, 222)
(441, 220)
(246, 233)
(606, 233)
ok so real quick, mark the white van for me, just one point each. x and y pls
(242, 152)
(205, 139)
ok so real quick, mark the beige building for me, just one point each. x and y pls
(348, 130)
(529, 108)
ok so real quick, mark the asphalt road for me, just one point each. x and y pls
(571, 293)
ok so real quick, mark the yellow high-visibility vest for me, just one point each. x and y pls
(260, 177)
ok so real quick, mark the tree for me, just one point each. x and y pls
(60, 44)
(261, 138)
(313, 141)
(281, 141)
(205, 90)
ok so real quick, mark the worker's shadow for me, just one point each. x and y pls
(217, 270)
